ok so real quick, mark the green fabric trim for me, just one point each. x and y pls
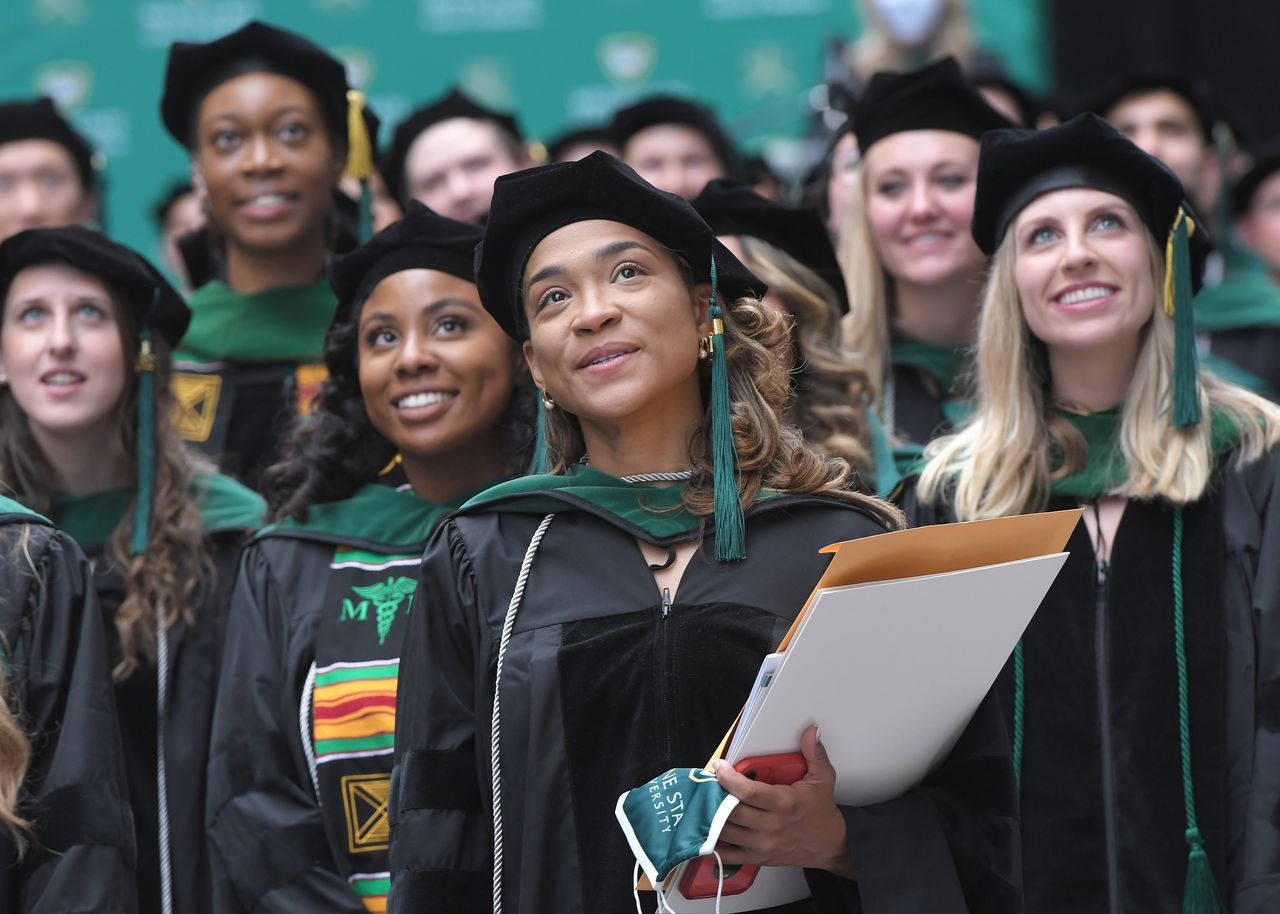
(375, 514)
(1230, 371)
(278, 325)
(885, 475)
(10, 507)
(388, 670)
(653, 513)
(224, 504)
(1248, 299)
(1104, 468)
(943, 363)
(354, 744)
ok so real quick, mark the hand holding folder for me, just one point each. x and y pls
(897, 646)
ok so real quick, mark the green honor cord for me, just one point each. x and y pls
(1200, 896)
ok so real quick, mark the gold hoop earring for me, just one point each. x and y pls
(547, 402)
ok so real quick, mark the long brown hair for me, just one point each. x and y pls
(832, 394)
(175, 569)
(772, 453)
(15, 747)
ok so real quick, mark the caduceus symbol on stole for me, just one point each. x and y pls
(387, 598)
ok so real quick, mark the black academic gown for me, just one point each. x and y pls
(298, 822)
(602, 688)
(1101, 798)
(80, 848)
(918, 397)
(231, 513)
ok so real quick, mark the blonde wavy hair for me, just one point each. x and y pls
(831, 394)
(1016, 442)
(771, 453)
(866, 326)
(875, 50)
(175, 570)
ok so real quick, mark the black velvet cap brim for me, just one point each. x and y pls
(1016, 166)
(196, 69)
(422, 240)
(934, 97)
(531, 204)
(732, 208)
(452, 104)
(151, 299)
(38, 119)
(669, 109)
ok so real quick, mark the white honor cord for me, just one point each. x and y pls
(162, 781)
(304, 727)
(679, 476)
(495, 726)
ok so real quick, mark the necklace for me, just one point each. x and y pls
(676, 476)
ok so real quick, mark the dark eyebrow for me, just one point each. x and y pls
(449, 301)
(609, 250)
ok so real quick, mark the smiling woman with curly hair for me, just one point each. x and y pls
(580, 630)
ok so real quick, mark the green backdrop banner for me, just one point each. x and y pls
(556, 62)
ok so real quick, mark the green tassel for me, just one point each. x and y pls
(1019, 708)
(539, 464)
(146, 445)
(364, 223)
(731, 537)
(1200, 895)
(1186, 370)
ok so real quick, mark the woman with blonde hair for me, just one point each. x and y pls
(86, 435)
(914, 272)
(1145, 692)
(580, 630)
(791, 253)
(900, 33)
(66, 835)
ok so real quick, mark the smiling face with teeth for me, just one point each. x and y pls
(63, 353)
(919, 203)
(614, 324)
(1085, 272)
(268, 163)
(436, 374)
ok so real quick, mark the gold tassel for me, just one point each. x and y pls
(1169, 304)
(359, 144)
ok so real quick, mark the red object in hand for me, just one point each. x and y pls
(700, 879)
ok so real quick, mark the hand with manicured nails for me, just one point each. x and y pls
(787, 825)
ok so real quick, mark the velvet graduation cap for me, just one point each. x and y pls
(154, 304)
(671, 109)
(452, 104)
(934, 97)
(422, 240)
(1016, 166)
(733, 208)
(529, 205)
(594, 136)
(38, 119)
(195, 69)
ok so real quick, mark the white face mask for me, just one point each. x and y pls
(908, 22)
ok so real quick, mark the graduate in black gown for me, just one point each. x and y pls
(914, 273)
(263, 113)
(427, 402)
(48, 170)
(66, 833)
(85, 435)
(1145, 695)
(641, 581)
(676, 144)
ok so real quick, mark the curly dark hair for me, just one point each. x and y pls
(337, 449)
